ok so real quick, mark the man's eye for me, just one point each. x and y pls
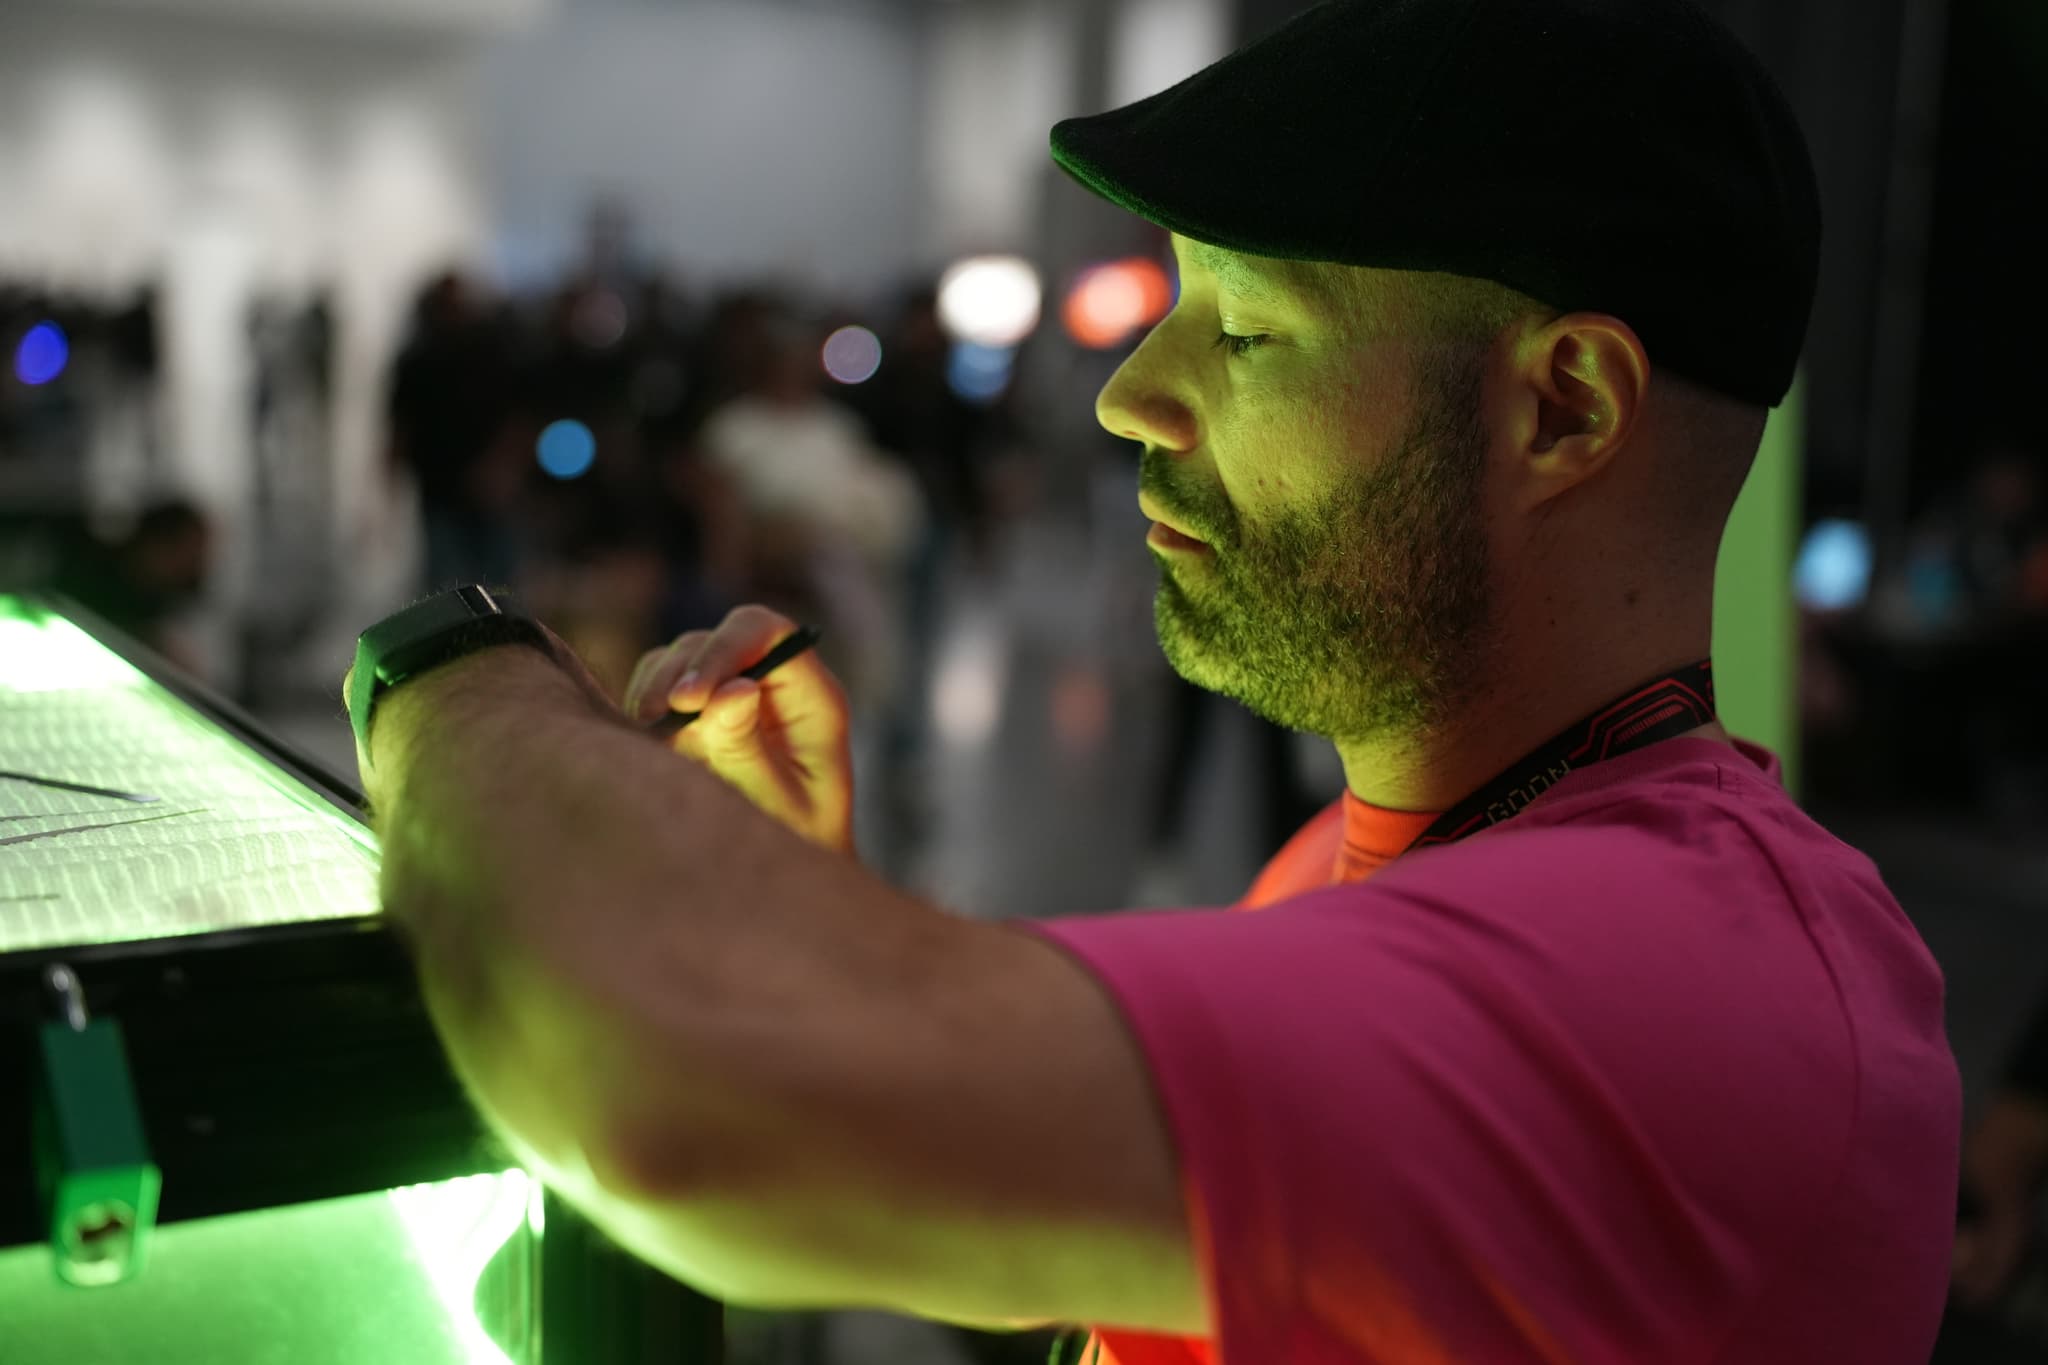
(1240, 345)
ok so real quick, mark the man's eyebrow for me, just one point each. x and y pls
(1236, 273)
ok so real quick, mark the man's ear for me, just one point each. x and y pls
(1587, 376)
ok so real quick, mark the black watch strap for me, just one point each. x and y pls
(429, 633)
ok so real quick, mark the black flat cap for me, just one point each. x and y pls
(1629, 157)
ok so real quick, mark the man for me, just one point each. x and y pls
(1616, 1057)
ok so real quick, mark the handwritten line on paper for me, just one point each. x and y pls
(58, 815)
(61, 785)
(108, 824)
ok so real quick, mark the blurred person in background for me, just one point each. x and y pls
(1956, 630)
(832, 520)
(450, 425)
(699, 522)
(1561, 1034)
(597, 564)
(2000, 1274)
(2001, 558)
(947, 443)
(148, 579)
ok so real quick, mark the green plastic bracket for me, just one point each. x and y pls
(99, 1184)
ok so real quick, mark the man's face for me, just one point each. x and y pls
(1332, 472)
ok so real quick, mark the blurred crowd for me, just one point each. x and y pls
(1940, 654)
(637, 464)
(633, 458)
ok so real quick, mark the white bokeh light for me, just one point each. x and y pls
(990, 300)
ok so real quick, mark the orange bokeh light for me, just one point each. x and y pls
(1108, 303)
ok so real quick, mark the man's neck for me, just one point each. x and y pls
(1491, 731)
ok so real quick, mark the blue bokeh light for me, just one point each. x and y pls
(1833, 570)
(567, 449)
(980, 374)
(42, 355)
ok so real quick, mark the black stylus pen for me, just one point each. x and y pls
(805, 638)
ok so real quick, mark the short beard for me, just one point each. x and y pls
(1364, 617)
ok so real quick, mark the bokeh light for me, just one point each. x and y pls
(42, 355)
(1110, 303)
(1833, 570)
(980, 374)
(990, 300)
(852, 355)
(567, 449)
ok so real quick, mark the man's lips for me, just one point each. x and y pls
(1164, 537)
(1164, 530)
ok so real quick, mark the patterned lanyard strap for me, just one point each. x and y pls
(1660, 709)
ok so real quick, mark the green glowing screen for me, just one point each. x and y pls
(229, 840)
(441, 1274)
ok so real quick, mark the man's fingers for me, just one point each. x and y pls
(658, 673)
(633, 703)
(644, 701)
(746, 634)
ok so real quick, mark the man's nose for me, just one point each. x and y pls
(1139, 404)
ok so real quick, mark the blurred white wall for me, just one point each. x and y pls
(843, 144)
(227, 159)
(1157, 43)
(1002, 72)
(748, 137)
(338, 15)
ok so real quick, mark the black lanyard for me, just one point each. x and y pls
(1662, 708)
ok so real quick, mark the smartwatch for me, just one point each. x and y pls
(429, 633)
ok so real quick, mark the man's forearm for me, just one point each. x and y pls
(499, 786)
(749, 1060)
(591, 911)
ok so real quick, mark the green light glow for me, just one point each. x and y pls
(40, 653)
(441, 1274)
(1756, 625)
(432, 1275)
(456, 1228)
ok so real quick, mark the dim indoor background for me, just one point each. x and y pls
(652, 307)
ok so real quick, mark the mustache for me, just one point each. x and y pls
(1156, 482)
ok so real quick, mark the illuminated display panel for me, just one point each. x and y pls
(227, 840)
(444, 1274)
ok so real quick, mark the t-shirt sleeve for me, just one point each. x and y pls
(1398, 1143)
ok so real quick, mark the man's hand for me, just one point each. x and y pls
(782, 742)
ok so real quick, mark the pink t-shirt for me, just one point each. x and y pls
(1655, 1072)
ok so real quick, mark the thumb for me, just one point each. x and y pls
(731, 727)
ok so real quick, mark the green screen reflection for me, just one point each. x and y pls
(443, 1274)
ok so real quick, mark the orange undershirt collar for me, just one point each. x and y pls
(1374, 836)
